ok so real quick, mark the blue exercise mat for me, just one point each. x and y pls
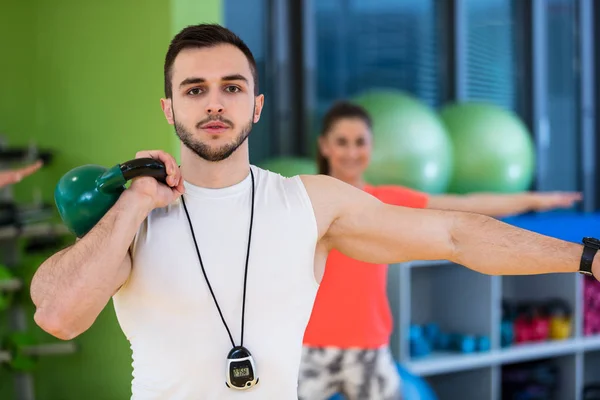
(566, 225)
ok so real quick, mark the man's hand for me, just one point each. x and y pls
(159, 194)
(16, 175)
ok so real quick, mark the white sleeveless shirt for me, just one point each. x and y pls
(166, 311)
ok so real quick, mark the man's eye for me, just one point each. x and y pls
(194, 91)
(232, 89)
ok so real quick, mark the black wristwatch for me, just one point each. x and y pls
(590, 247)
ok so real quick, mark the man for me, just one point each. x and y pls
(214, 275)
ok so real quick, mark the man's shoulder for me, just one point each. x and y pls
(328, 187)
(330, 196)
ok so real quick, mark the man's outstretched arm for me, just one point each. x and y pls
(366, 229)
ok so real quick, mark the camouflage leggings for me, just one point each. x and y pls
(357, 374)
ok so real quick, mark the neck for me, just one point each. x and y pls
(356, 181)
(215, 175)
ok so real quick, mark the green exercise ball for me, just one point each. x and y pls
(290, 166)
(410, 144)
(493, 150)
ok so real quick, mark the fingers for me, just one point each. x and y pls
(28, 170)
(8, 178)
(173, 172)
(180, 186)
(16, 175)
(176, 182)
(166, 158)
(568, 198)
(178, 190)
(571, 195)
(550, 200)
(576, 196)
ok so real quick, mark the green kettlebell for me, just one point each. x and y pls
(84, 194)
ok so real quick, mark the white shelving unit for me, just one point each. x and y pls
(461, 300)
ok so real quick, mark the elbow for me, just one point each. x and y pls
(463, 233)
(55, 325)
(453, 240)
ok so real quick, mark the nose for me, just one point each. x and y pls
(354, 151)
(215, 105)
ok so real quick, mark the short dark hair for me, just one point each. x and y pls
(202, 36)
(338, 111)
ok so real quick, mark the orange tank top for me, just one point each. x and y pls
(351, 309)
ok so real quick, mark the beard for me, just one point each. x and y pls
(204, 150)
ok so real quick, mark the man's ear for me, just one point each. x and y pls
(259, 102)
(166, 105)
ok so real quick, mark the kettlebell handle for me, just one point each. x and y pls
(120, 174)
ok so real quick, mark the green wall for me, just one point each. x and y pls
(16, 88)
(17, 41)
(85, 79)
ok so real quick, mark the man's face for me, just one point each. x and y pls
(213, 106)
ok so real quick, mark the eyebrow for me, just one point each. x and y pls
(194, 80)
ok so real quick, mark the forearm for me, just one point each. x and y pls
(491, 204)
(495, 248)
(73, 286)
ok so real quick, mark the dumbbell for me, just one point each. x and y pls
(507, 333)
(431, 331)
(560, 319)
(507, 329)
(463, 343)
(591, 323)
(531, 325)
(483, 343)
(8, 285)
(443, 342)
(436, 338)
(428, 337)
(419, 346)
(540, 323)
(590, 289)
(20, 351)
(591, 306)
(591, 292)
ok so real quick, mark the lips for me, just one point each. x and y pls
(215, 127)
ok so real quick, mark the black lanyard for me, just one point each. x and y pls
(245, 270)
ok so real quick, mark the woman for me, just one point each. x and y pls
(346, 344)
